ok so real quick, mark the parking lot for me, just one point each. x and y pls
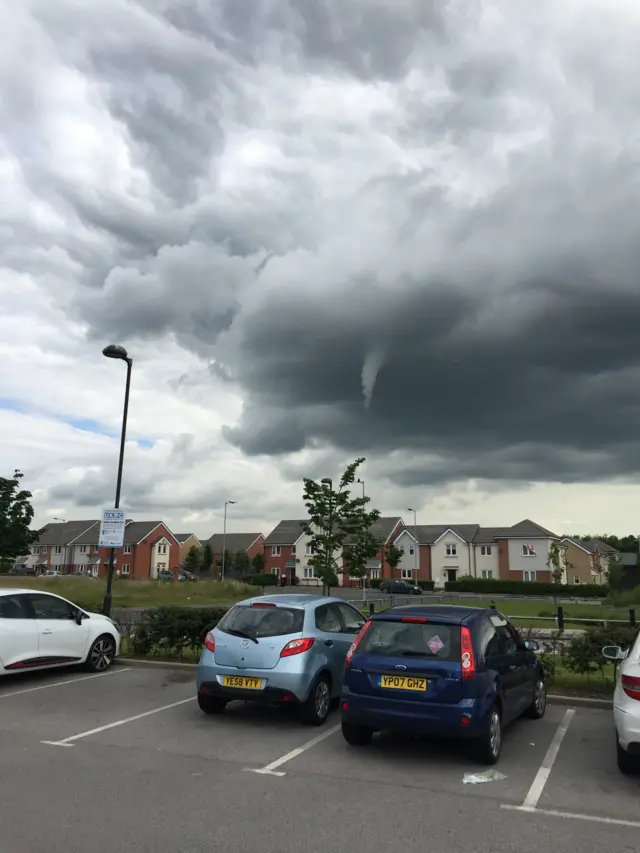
(126, 761)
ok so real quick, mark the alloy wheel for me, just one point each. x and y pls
(102, 654)
(495, 734)
(541, 697)
(322, 699)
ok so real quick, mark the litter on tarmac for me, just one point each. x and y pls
(478, 778)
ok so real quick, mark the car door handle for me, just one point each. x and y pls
(328, 642)
(47, 631)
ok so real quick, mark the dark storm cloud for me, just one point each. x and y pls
(393, 226)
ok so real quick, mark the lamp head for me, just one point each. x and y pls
(115, 351)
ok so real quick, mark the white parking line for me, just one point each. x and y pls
(573, 816)
(270, 769)
(62, 683)
(69, 741)
(537, 786)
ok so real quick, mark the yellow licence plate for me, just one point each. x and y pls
(403, 682)
(242, 681)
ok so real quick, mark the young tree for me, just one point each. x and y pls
(557, 562)
(257, 563)
(336, 519)
(393, 557)
(207, 558)
(193, 560)
(16, 514)
(240, 563)
(614, 572)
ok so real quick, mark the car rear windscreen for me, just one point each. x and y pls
(412, 639)
(263, 621)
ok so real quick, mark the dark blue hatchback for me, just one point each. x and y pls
(459, 672)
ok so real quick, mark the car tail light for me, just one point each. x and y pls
(356, 642)
(262, 604)
(466, 654)
(631, 685)
(413, 619)
(296, 647)
(209, 642)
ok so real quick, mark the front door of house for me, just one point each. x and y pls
(451, 574)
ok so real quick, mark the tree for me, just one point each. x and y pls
(258, 562)
(393, 557)
(335, 519)
(193, 560)
(207, 558)
(361, 547)
(16, 515)
(240, 564)
(614, 572)
(556, 562)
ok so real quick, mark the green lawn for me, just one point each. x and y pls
(89, 593)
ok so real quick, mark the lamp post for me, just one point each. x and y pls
(415, 550)
(64, 547)
(327, 481)
(117, 352)
(362, 484)
(224, 538)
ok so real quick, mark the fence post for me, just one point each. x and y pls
(560, 618)
(632, 616)
(372, 608)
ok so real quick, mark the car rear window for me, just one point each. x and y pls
(263, 621)
(412, 639)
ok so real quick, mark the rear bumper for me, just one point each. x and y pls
(628, 727)
(266, 696)
(276, 684)
(415, 717)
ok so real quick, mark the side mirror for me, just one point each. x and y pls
(614, 653)
(531, 646)
(79, 617)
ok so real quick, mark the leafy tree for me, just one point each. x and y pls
(240, 563)
(207, 558)
(624, 544)
(336, 518)
(193, 560)
(361, 547)
(16, 515)
(556, 562)
(393, 557)
(614, 572)
(258, 562)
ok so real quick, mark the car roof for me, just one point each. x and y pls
(15, 590)
(293, 600)
(447, 613)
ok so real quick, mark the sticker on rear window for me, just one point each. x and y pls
(435, 644)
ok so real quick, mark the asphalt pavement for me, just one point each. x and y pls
(126, 762)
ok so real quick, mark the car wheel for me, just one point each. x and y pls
(488, 746)
(356, 735)
(539, 705)
(101, 654)
(627, 764)
(211, 704)
(316, 709)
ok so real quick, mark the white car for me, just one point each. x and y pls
(39, 630)
(626, 705)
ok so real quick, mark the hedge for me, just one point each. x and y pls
(507, 587)
(262, 579)
(171, 630)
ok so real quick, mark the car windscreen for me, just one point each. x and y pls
(411, 639)
(256, 621)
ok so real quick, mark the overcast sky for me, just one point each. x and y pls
(402, 229)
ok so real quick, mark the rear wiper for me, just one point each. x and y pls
(410, 653)
(244, 634)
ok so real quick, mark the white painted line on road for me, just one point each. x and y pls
(62, 683)
(537, 786)
(68, 741)
(573, 816)
(270, 769)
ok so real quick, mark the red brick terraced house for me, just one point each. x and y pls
(282, 548)
(149, 547)
(386, 530)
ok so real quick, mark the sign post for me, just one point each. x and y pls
(112, 529)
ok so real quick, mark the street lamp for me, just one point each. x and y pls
(362, 484)
(64, 547)
(120, 353)
(415, 550)
(327, 481)
(224, 537)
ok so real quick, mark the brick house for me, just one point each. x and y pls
(252, 543)
(386, 530)
(149, 547)
(187, 541)
(282, 548)
(587, 560)
(57, 546)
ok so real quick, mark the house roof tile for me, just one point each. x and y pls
(234, 542)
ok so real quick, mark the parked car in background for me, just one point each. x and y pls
(39, 630)
(186, 577)
(52, 573)
(22, 571)
(458, 672)
(401, 587)
(278, 650)
(166, 575)
(626, 705)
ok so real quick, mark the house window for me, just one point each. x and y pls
(275, 570)
(487, 574)
(401, 549)
(529, 576)
(309, 572)
(485, 550)
(162, 565)
(407, 574)
(127, 549)
(309, 550)
(162, 549)
(412, 550)
(375, 573)
(57, 549)
(528, 551)
(125, 569)
(275, 550)
(451, 550)
(576, 579)
(83, 549)
(293, 550)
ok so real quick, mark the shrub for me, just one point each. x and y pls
(262, 579)
(375, 583)
(507, 587)
(427, 585)
(584, 652)
(170, 630)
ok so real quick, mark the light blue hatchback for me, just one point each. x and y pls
(278, 649)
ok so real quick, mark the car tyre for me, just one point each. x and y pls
(356, 735)
(489, 744)
(315, 710)
(211, 704)
(539, 705)
(627, 763)
(101, 654)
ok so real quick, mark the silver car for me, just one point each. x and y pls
(278, 649)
